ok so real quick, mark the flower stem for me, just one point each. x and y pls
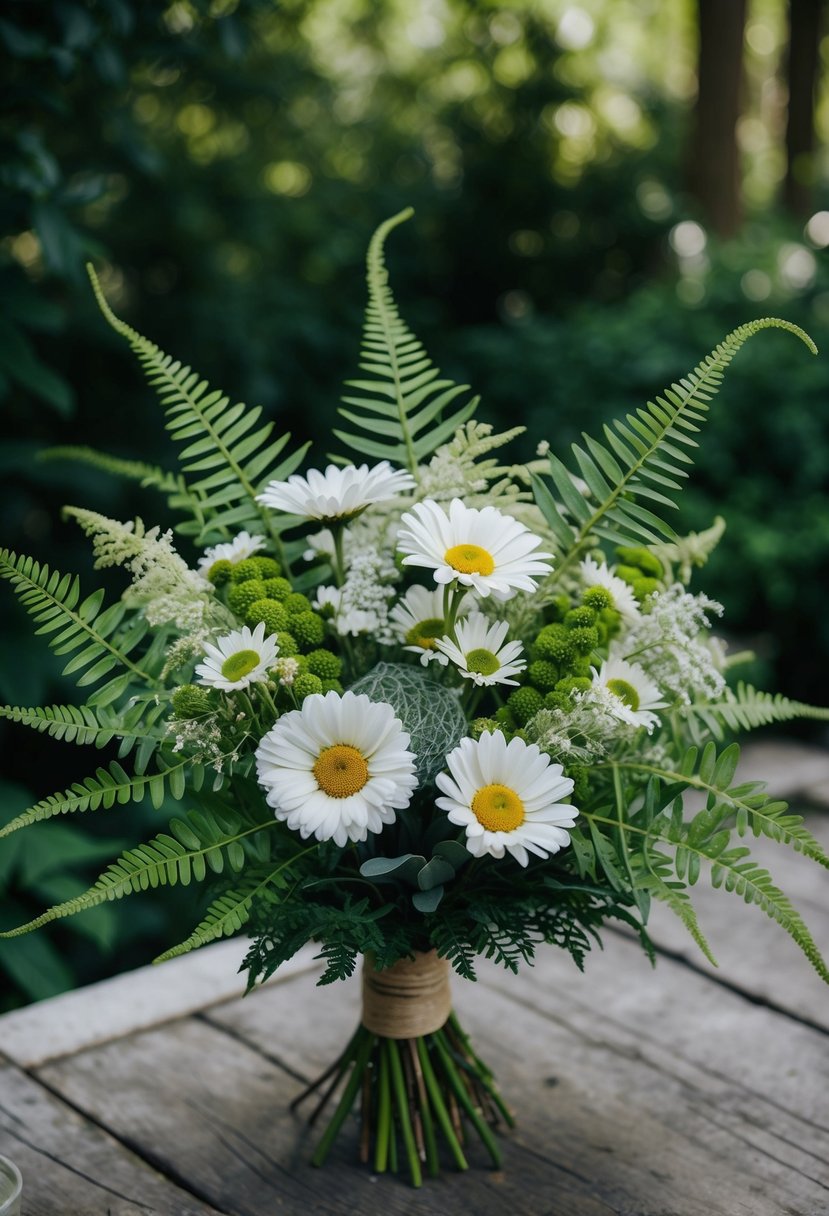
(403, 1111)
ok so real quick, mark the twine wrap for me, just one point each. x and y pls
(408, 1000)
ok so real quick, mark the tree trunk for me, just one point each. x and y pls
(805, 18)
(713, 170)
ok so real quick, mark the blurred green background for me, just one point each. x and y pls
(602, 190)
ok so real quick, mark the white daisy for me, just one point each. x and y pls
(635, 695)
(483, 549)
(418, 621)
(328, 600)
(480, 653)
(338, 768)
(595, 575)
(238, 659)
(508, 797)
(233, 551)
(336, 494)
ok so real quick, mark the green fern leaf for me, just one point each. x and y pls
(229, 455)
(399, 410)
(72, 723)
(173, 485)
(748, 708)
(205, 841)
(109, 786)
(77, 628)
(680, 904)
(645, 456)
(230, 911)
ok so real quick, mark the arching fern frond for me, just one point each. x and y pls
(141, 726)
(400, 410)
(746, 708)
(229, 456)
(173, 485)
(77, 628)
(231, 910)
(109, 786)
(644, 459)
(201, 842)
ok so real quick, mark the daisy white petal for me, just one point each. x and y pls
(418, 621)
(480, 651)
(486, 793)
(492, 553)
(238, 659)
(233, 551)
(338, 768)
(635, 695)
(595, 574)
(336, 494)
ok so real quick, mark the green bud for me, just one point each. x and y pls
(277, 588)
(543, 674)
(220, 572)
(191, 701)
(308, 628)
(597, 598)
(305, 685)
(324, 664)
(480, 725)
(585, 640)
(580, 618)
(554, 643)
(245, 570)
(266, 567)
(641, 557)
(269, 611)
(524, 703)
(286, 642)
(241, 596)
(296, 603)
(332, 686)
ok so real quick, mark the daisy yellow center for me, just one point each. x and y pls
(625, 692)
(341, 771)
(240, 664)
(423, 634)
(469, 559)
(498, 808)
(482, 662)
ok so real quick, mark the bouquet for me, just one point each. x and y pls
(419, 710)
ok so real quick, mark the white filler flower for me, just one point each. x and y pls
(418, 621)
(480, 653)
(483, 549)
(336, 494)
(338, 768)
(238, 659)
(233, 551)
(508, 797)
(635, 695)
(624, 601)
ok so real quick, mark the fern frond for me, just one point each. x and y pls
(680, 904)
(230, 911)
(227, 451)
(72, 723)
(109, 786)
(401, 407)
(203, 841)
(151, 476)
(747, 707)
(79, 629)
(644, 459)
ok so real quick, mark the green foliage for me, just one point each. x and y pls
(227, 453)
(643, 457)
(86, 632)
(405, 399)
(109, 787)
(746, 708)
(205, 841)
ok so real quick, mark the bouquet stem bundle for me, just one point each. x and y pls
(415, 1091)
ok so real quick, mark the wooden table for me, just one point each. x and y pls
(676, 1091)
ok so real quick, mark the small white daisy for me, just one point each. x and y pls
(238, 659)
(508, 797)
(600, 575)
(328, 600)
(338, 768)
(418, 621)
(635, 695)
(480, 653)
(336, 494)
(233, 551)
(483, 549)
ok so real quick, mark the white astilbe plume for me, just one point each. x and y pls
(364, 600)
(457, 469)
(672, 645)
(584, 732)
(168, 592)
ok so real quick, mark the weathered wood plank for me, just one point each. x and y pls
(70, 1167)
(753, 952)
(613, 1119)
(132, 1001)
